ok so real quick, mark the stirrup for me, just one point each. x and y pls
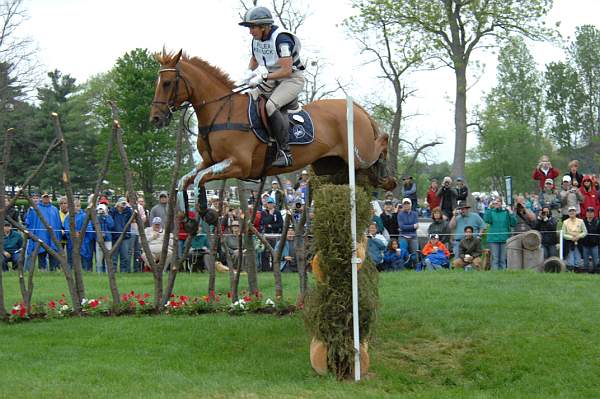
(283, 160)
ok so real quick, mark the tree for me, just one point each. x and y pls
(454, 29)
(17, 53)
(585, 53)
(396, 51)
(151, 151)
(565, 102)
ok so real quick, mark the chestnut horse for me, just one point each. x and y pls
(236, 152)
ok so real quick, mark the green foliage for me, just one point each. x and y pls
(328, 308)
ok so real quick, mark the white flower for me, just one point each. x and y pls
(64, 308)
(17, 307)
(168, 303)
(269, 302)
(84, 301)
(240, 304)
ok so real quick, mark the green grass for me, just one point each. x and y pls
(439, 335)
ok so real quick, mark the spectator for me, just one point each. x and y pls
(13, 244)
(271, 222)
(86, 252)
(298, 209)
(35, 225)
(156, 236)
(462, 191)
(394, 257)
(576, 177)
(544, 171)
(499, 220)
(376, 245)
(277, 195)
(301, 185)
(479, 206)
(160, 209)
(107, 225)
(12, 212)
(573, 230)
(232, 241)
(182, 234)
(525, 218)
(63, 209)
(549, 198)
(469, 251)
(439, 226)
(377, 219)
(546, 225)
(589, 243)
(433, 201)
(409, 190)
(569, 197)
(462, 218)
(288, 253)
(121, 214)
(447, 197)
(590, 197)
(408, 224)
(136, 247)
(389, 219)
(436, 254)
(389, 196)
(200, 248)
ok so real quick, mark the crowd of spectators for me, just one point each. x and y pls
(463, 229)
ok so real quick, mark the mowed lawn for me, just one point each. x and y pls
(439, 335)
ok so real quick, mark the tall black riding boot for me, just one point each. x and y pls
(279, 124)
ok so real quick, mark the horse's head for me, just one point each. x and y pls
(171, 89)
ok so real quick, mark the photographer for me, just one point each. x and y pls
(544, 170)
(525, 218)
(570, 197)
(107, 224)
(546, 225)
(549, 198)
(500, 220)
(298, 209)
(448, 197)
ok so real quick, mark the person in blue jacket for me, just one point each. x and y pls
(87, 237)
(35, 225)
(394, 257)
(376, 245)
(121, 214)
(408, 223)
(107, 225)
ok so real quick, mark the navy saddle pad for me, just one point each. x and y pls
(300, 133)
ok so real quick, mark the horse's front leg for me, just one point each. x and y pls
(184, 183)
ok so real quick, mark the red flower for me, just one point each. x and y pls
(124, 298)
(93, 303)
(52, 304)
(142, 302)
(172, 296)
(206, 298)
(132, 305)
(138, 296)
(131, 293)
(62, 301)
(211, 293)
(229, 295)
(146, 295)
(247, 298)
(23, 311)
(184, 298)
(14, 311)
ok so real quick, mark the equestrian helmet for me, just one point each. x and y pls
(257, 16)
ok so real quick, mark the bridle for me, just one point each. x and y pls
(170, 103)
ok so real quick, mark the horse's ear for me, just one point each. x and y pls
(178, 56)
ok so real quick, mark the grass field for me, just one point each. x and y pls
(439, 335)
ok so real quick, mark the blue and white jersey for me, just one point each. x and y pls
(280, 43)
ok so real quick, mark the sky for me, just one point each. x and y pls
(85, 37)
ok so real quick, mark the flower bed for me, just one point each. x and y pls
(134, 303)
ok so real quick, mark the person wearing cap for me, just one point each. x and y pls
(408, 223)
(589, 243)
(461, 218)
(569, 197)
(271, 222)
(86, 251)
(524, 216)
(500, 222)
(232, 241)
(546, 225)
(550, 198)
(469, 251)
(34, 224)
(13, 243)
(301, 185)
(160, 209)
(573, 230)
(433, 201)
(409, 190)
(447, 196)
(590, 196)
(277, 194)
(389, 218)
(436, 254)
(107, 226)
(156, 236)
(121, 213)
(462, 191)
(544, 170)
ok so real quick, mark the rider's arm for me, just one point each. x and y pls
(252, 65)
(284, 72)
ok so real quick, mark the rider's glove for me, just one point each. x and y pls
(246, 76)
(256, 80)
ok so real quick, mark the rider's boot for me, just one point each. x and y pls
(279, 124)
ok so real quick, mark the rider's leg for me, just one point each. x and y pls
(285, 92)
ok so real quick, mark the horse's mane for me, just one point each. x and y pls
(169, 59)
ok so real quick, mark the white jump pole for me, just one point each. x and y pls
(355, 260)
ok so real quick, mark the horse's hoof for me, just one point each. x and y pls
(388, 183)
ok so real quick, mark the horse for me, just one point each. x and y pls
(230, 150)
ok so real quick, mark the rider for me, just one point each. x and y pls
(276, 70)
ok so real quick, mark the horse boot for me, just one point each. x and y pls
(279, 125)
